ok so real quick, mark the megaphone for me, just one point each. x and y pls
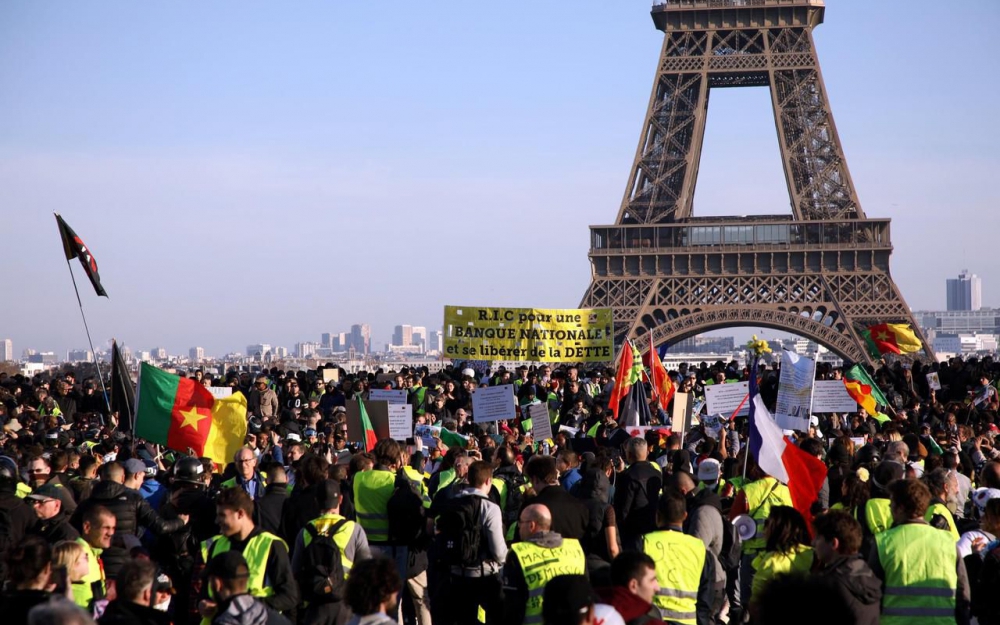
(745, 526)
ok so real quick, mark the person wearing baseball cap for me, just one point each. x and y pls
(709, 471)
(228, 576)
(53, 525)
(348, 536)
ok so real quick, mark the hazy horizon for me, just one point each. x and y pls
(252, 172)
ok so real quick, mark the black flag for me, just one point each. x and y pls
(74, 246)
(122, 390)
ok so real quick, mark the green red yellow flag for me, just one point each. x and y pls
(895, 338)
(184, 416)
(863, 389)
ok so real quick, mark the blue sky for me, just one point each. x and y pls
(251, 171)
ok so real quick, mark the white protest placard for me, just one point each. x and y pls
(934, 381)
(220, 392)
(331, 375)
(832, 396)
(390, 395)
(427, 434)
(725, 398)
(714, 424)
(400, 421)
(541, 427)
(494, 403)
(795, 391)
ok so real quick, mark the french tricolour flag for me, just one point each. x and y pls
(780, 458)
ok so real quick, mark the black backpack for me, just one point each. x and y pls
(732, 545)
(459, 532)
(322, 577)
(405, 510)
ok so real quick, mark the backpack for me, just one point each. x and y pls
(459, 532)
(732, 545)
(322, 577)
(405, 510)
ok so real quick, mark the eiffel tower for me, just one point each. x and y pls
(821, 272)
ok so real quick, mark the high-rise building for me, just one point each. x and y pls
(402, 336)
(280, 352)
(306, 350)
(80, 355)
(439, 341)
(158, 353)
(326, 340)
(419, 338)
(6, 350)
(965, 292)
(196, 354)
(361, 338)
(45, 358)
(340, 342)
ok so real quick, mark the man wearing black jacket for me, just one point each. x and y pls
(636, 495)
(838, 538)
(570, 517)
(269, 506)
(53, 523)
(131, 510)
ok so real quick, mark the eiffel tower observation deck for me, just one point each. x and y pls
(820, 270)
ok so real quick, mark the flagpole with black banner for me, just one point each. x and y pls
(104, 388)
(73, 246)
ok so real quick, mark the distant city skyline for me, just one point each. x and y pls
(275, 171)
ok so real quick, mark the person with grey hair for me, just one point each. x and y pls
(247, 477)
(636, 493)
(940, 484)
(897, 451)
(59, 611)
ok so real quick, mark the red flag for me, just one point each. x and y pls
(663, 386)
(623, 379)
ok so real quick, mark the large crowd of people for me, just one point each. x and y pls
(594, 525)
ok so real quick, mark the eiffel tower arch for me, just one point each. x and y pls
(821, 272)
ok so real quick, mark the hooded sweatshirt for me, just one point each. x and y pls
(858, 585)
(245, 610)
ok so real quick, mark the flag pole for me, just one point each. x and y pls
(104, 389)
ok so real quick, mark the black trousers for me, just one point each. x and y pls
(458, 599)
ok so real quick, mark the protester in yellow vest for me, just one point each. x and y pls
(756, 500)
(786, 550)
(684, 571)
(229, 578)
(938, 515)
(878, 515)
(348, 536)
(925, 581)
(541, 555)
(98, 527)
(267, 555)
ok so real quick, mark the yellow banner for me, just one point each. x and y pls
(541, 335)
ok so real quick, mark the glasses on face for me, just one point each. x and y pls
(37, 470)
(245, 460)
(40, 502)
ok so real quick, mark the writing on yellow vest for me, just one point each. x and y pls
(541, 564)
(878, 516)
(679, 562)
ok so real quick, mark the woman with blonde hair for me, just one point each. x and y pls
(71, 555)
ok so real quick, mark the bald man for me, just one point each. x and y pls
(541, 555)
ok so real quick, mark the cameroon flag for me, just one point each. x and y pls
(896, 338)
(863, 389)
(183, 415)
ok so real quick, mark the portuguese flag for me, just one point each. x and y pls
(366, 425)
(863, 389)
(184, 416)
(895, 338)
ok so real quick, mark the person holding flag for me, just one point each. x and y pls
(781, 474)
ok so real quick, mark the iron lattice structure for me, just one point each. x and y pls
(821, 272)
